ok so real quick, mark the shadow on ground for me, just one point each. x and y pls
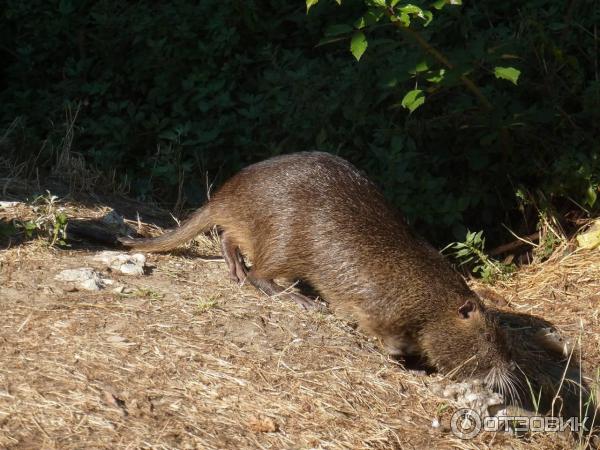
(549, 371)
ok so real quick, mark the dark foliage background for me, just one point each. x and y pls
(166, 92)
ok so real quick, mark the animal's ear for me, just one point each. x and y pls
(467, 310)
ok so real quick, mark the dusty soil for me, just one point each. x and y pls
(186, 359)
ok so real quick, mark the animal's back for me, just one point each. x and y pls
(313, 216)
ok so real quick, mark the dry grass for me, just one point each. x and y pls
(189, 360)
(565, 290)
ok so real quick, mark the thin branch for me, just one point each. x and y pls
(442, 59)
(514, 245)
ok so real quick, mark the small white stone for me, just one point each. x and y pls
(122, 262)
(138, 258)
(91, 285)
(131, 269)
(82, 274)
(85, 278)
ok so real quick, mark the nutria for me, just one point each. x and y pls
(314, 217)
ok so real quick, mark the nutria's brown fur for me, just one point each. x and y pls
(315, 217)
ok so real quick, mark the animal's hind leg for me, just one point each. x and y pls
(271, 288)
(233, 258)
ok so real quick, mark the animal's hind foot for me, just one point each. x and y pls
(307, 303)
(272, 289)
(238, 273)
(235, 262)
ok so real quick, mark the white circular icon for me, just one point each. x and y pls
(465, 423)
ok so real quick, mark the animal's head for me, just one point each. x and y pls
(468, 342)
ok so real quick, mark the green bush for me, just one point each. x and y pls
(167, 92)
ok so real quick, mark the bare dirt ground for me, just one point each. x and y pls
(183, 358)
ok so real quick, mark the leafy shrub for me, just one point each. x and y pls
(471, 252)
(168, 92)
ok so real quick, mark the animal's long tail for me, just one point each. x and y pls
(199, 221)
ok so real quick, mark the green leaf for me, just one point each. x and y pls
(310, 3)
(30, 226)
(371, 17)
(411, 9)
(336, 30)
(439, 4)
(413, 99)
(437, 77)
(420, 67)
(358, 44)
(467, 260)
(61, 219)
(403, 18)
(591, 196)
(407, 10)
(427, 16)
(507, 73)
